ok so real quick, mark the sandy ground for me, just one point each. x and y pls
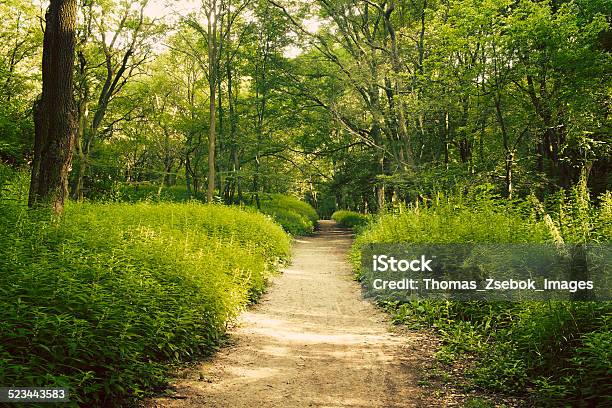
(311, 342)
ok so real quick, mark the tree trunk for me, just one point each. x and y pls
(447, 132)
(82, 115)
(509, 174)
(510, 153)
(55, 113)
(212, 82)
(187, 177)
(235, 161)
(398, 89)
(80, 181)
(220, 137)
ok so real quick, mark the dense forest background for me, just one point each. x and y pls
(352, 104)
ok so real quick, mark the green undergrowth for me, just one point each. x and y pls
(556, 353)
(297, 217)
(104, 300)
(294, 215)
(143, 191)
(350, 219)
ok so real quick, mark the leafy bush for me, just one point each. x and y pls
(101, 300)
(350, 219)
(145, 191)
(557, 348)
(291, 221)
(16, 133)
(294, 215)
(297, 217)
(290, 203)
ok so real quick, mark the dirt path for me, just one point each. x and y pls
(311, 342)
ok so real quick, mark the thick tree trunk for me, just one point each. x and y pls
(55, 113)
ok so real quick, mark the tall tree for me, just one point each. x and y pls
(212, 17)
(220, 17)
(55, 124)
(117, 37)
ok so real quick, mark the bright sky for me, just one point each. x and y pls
(171, 9)
(164, 8)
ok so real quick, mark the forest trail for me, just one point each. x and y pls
(311, 342)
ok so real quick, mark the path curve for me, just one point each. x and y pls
(311, 342)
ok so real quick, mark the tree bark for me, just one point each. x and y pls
(55, 124)
(212, 82)
(398, 89)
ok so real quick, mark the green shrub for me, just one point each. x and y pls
(14, 185)
(101, 300)
(294, 215)
(591, 367)
(292, 222)
(350, 219)
(145, 191)
(289, 203)
(297, 217)
(557, 348)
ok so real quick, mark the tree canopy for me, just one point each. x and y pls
(351, 103)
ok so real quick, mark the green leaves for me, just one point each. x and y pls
(100, 301)
(297, 217)
(560, 351)
(350, 219)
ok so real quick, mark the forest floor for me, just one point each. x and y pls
(313, 341)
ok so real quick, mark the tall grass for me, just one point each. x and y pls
(103, 299)
(559, 350)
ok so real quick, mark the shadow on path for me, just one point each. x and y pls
(311, 342)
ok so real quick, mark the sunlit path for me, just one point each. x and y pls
(312, 342)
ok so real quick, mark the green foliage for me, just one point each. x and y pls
(14, 185)
(16, 131)
(350, 219)
(102, 299)
(20, 44)
(557, 349)
(290, 203)
(291, 221)
(138, 192)
(297, 217)
(477, 217)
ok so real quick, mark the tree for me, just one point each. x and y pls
(20, 44)
(220, 16)
(114, 44)
(55, 124)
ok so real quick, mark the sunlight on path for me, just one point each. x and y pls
(312, 342)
